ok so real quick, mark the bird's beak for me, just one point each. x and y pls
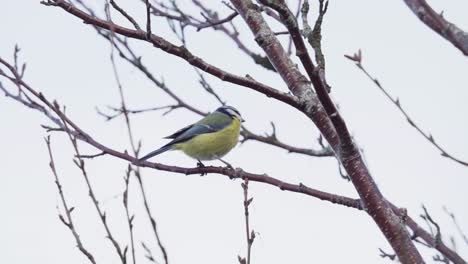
(242, 120)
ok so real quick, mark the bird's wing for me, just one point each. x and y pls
(209, 124)
(179, 132)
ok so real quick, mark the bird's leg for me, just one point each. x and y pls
(226, 163)
(201, 165)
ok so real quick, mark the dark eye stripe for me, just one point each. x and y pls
(228, 110)
(234, 110)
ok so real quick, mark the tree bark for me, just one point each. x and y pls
(373, 201)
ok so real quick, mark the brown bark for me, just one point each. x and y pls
(335, 132)
(439, 24)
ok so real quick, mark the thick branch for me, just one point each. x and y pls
(439, 24)
(349, 155)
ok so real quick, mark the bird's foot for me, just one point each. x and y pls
(201, 165)
(227, 164)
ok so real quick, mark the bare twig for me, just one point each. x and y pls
(211, 23)
(135, 149)
(148, 253)
(357, 58)
(127, 212)
(314, 37)
(120, 112)
(125, 14)
(437, 235)
(457, 225)
(207, 86)
(234, 36)
(250, 234)
(102, 153)
(67, 220)
(273, 140)
(80, 163)
(148, 20)
(384, 254)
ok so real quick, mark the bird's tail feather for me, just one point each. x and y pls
(156, 152)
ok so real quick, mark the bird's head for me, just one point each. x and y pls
(230, 111)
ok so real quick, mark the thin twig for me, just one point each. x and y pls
(148, 253)
(125, 14)
(457, 225)
(135, 149)
(148, 20)
(127, 212)
(250, 234)
(357, 58)
(437, 235)
(274, 141)
(67, 220)
(314, 36)
(213, 23)
(80, 163)
(384, 254)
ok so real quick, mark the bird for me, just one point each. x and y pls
(208, 139)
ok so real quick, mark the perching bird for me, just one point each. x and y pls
(210, 138)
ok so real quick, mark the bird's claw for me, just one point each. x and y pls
(201, 165)
(228, 165)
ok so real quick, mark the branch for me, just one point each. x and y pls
(357, 58)
(338, 135)
(213, 23)
(80, 163)
(67, 220)
(234, 36)
(384, 254)
(249, 234)
(314, 37)
(419, 232)
(457, 225)
(180, 52)
(274, 141)
(439, 24)
(135, 149)
(127, 212)
(124, 14)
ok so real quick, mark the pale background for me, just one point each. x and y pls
(201, 218)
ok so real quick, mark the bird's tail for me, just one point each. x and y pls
(156, 152)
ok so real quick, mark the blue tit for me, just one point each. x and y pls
(210, 138)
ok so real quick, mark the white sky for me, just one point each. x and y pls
(201, 218)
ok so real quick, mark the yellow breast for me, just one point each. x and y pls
(212, 145)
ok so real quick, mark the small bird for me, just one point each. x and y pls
(208, 139)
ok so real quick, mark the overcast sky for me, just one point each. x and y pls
(201, 218)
